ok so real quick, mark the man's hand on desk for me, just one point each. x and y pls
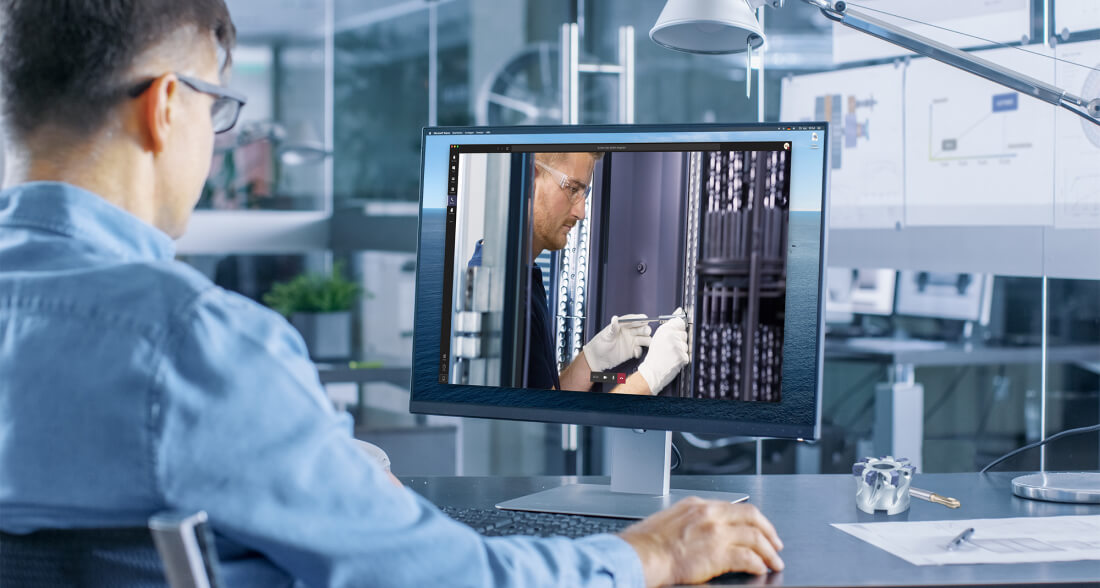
(696, 540)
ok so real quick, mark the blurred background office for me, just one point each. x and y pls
(965, 223)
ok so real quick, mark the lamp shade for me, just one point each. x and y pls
(302, 146)
(707, 26)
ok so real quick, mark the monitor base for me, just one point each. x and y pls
(1071, 487)
(599, 500)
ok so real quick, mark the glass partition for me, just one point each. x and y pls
(275, 158)
(959, 194)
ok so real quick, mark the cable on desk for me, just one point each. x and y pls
(1066, 433)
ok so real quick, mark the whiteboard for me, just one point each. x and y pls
(864, 109)
(1077, 150)
(1076, 15)
(977, 153)
(1000, 21)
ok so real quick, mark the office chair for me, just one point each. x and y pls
(175, 550)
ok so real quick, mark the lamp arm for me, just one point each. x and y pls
(838, 11)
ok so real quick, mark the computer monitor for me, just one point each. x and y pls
(858, 291)
(533, 238)
(946, 295)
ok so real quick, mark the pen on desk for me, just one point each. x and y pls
(959, 539)
(933, 497)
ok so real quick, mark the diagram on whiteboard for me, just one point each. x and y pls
(864, 111)
(1077, 148)
(958, 131)
(843, 113)
(977, 153)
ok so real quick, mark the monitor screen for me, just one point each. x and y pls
(946, 295)
(852, 291)
(539, 245)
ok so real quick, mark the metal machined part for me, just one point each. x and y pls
(933, 497)
(664, 318)
(882, 484)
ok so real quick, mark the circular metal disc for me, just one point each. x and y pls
(1073, 487)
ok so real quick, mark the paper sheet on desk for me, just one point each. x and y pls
(1015, 540)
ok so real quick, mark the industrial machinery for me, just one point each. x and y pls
(741, 276)
(706, 231)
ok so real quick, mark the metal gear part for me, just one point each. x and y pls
(883, 484)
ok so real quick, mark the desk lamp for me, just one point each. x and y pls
(730, 26)
(298, 147)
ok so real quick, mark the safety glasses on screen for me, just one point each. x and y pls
(575, 189)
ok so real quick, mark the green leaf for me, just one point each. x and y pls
(314, 293)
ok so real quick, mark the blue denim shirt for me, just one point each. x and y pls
(130, 384)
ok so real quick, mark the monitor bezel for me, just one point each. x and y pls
(424, 376)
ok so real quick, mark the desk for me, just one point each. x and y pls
(897, 400)
(802, 507)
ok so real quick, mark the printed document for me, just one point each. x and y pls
(1013, 540)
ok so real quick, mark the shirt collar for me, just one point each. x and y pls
(82, 215)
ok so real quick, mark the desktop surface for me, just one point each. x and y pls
(803, 507)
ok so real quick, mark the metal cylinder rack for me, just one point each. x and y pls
(741, 275)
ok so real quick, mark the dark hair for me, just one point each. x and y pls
(63, 61)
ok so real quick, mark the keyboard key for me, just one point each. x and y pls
(494, 522)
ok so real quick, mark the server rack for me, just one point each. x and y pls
(740, 275)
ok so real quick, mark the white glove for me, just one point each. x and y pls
(617, 343)
(668, 354)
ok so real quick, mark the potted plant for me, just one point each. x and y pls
(319, 306)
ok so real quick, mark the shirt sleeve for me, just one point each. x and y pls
(246, 434)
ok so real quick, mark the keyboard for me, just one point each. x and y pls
(493, 522)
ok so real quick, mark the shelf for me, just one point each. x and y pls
(332, 373)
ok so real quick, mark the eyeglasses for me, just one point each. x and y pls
(227, 103)
(575, 189)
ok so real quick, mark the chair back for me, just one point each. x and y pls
(63, 558)
(176, 550)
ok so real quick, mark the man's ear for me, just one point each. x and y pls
(158, 111)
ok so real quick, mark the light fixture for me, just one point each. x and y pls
(728, 26)
(300, 146)
(708, 26)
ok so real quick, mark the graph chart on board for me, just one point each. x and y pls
(1077, 151)
(864, 110)
(978, 153)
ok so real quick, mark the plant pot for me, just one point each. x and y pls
(327, 334)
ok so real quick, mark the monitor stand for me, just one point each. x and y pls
(640, 463)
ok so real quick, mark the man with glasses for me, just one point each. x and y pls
(562, 185)
(130, 384)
